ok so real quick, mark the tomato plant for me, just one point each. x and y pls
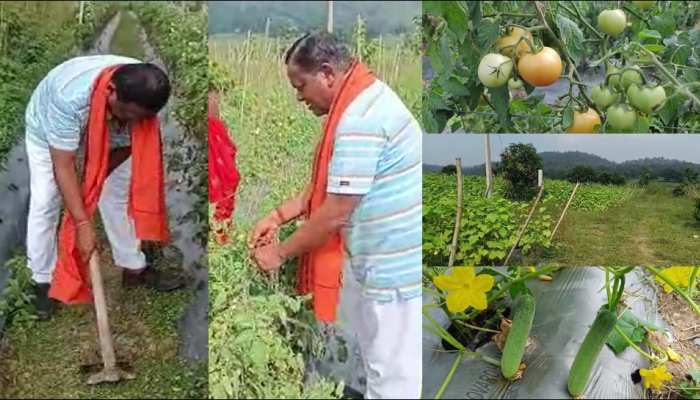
(570, 55)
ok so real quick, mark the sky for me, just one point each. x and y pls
(443, 149)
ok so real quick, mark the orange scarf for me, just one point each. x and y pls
(320, 270)
(71, 282)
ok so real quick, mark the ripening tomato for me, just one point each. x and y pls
(585, 122)
(603, 96)
(495, 69)
(646, 99)
(612, 22)
(540, 69)
(513, 35)
(621, 117)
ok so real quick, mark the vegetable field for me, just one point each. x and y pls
(604, 225)
(566, 66)
(261, 333)
(624, 332)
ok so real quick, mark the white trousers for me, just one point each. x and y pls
(390, 336)
(45, 205)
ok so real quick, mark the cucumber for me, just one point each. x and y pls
(590, 349)
(523, 314)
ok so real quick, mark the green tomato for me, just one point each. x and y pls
(494, 70)
(515, 84)
(611, 69)
(629, 77)
(621, 117)
(646, 99)
(612, 22)
(644, 4)
(603, 97)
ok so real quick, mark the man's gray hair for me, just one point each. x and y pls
(313, 49)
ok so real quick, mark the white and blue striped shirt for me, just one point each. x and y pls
(377, 154)
(57, 113)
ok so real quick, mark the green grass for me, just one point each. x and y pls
(126, 40)
(260, 331)
(652, 228)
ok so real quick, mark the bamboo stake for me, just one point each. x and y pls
(568, 203)
(527, 221)
(458, 217)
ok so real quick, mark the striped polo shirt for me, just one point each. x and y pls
(377, 154)
(57, 113)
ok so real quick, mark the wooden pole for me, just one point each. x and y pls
(489, 173)
(329, 19)
(527, 221)
(458, 217)
(82, 10)
(267, 27)
(566, 207)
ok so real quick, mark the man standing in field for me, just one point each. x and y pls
(105, 106)
(362, 212)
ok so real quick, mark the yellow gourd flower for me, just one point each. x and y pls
(655, 377)
(464, 288)
(678, 275)
(672, 355)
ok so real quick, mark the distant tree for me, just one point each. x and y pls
(691, 176)
(449, 169)
(645, 177)
(617, 179)
(519, 165)
(583, 174)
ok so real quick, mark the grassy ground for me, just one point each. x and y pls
(275, 137)
(653, 228)
(49, 359)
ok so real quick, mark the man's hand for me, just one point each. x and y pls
(86, 241)
(268, 258)
(264, 231)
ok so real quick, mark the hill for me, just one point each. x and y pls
(385, 17)
(558, 164)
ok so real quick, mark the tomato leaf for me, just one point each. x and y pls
(642, 124)
(655, 48)
(649, 34)
(487, 34)
(567, 117)
(500, 99)
(664, 24)
(572, 36)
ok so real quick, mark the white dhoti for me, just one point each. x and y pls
(390, 337)
(45, 205)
